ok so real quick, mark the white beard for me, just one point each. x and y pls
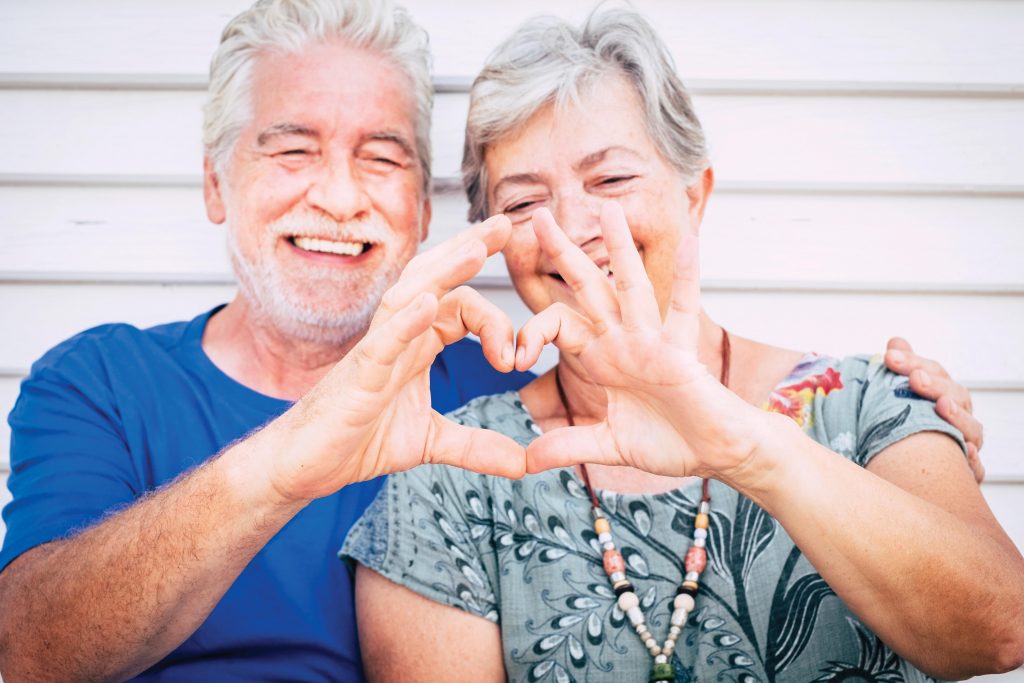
(275, 303)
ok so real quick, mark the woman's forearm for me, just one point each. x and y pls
(937, 581)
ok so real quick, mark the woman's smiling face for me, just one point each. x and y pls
(570, 160)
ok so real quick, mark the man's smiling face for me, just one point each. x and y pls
(323, 193)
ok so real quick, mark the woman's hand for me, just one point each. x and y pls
(371, 414)
(666, 413)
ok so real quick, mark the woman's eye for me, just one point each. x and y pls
(520, 206)
(614, 180)
(294, 152)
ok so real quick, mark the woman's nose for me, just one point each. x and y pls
(579, 216)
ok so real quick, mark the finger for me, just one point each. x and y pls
(587, 282)
(899, 344)
(933, 387)
(478, 450)
(969, 426)
(557, 324)
(974, 462)
(465, 310)
(447, 265)
(571, 446)
(374, 357)
(904, 361)
(637, 303)
(682, 321)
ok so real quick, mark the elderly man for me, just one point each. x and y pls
(176, 505)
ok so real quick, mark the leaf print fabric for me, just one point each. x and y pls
(523, 554)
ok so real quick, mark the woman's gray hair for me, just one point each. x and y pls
(548, 61)
(289, 26)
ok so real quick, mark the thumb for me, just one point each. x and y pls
(478, 450)
(569, 446)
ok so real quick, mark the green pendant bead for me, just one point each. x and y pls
(662, 672)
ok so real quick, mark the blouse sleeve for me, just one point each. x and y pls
(889, 411)
(430, 529)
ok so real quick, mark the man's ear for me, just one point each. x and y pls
(212, 194)
(698, 194)
(428, 211)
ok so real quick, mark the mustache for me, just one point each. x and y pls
(373, 228)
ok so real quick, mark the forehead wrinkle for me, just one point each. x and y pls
(285, 129)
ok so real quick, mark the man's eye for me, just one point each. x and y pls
(614, 180)
(294, 152)
(385, 160)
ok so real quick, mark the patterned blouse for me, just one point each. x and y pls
(523, 554)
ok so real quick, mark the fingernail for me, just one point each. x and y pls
(923, 379)
(897, 356)
(520, 355)
(508, 355)
(953, 409)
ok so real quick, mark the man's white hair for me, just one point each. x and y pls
(548, 61)
(289, 26)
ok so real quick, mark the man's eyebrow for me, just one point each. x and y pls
(397, 138)
(598, 156)
(284, 129)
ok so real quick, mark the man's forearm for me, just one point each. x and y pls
(116, 598)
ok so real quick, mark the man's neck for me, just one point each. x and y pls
(252, 352)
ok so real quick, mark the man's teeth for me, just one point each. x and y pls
(606, 269)
(329, 246)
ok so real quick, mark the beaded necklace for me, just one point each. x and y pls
(615, 565)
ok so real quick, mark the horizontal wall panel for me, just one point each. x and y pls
(969, 42)
(942, 327)
(45, 315)
(1016, 676)
(747, 237)
(8, 395)
(1001, 413)
(1005, 503)
(5, 496)
(772, 316)
(976, 337)
(957, 142)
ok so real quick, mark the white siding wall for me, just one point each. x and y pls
(870, 158)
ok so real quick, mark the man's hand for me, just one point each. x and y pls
(371, 414)
(952, 401)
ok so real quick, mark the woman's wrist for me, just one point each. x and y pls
(771, 445)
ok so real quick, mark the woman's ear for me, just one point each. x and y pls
(212, 194)
(698, 194)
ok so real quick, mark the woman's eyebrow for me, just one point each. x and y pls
(517, 179)
(597, 157)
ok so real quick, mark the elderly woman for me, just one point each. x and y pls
(746, 512)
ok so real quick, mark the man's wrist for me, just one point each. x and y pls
(253, 466)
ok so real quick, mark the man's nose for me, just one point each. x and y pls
(338, 191)
(579, 216)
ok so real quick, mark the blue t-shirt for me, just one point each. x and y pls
(117, 411)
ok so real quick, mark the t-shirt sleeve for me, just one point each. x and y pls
(890, 411)
(69, 461)
(430, 529)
